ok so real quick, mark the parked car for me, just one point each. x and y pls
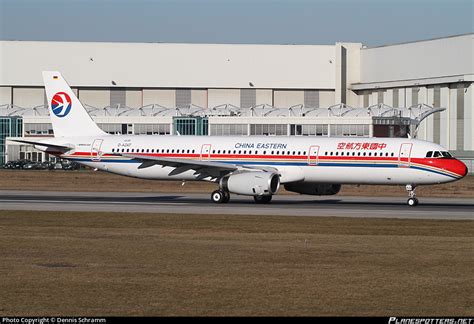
(17, 164)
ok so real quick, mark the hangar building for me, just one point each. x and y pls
(424, 88)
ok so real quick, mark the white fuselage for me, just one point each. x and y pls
(347, 160)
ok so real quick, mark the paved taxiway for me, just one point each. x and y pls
(284, 205)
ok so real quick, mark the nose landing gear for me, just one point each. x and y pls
(412, 200)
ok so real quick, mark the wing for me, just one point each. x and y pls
(203, 169)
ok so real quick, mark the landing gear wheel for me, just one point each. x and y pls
(262, 199)
(217, 196)
(412, 201)
(226, 196)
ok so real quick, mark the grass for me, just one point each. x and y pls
(71, 263)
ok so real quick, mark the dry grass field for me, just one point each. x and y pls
(68, 263)
(87, 180)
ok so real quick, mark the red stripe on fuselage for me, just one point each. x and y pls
(451, 165)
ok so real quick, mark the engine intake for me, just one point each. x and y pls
(323, 189)
(252, 183)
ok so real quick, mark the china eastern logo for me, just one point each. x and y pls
(61, 104)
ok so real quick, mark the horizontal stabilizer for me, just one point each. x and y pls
(58, 147)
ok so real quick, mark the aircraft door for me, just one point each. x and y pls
(404, 156)
(96, 153)
(205, 152)
(313, 155)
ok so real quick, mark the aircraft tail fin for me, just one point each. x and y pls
(68, 115)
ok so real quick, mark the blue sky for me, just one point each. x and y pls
(372, 22)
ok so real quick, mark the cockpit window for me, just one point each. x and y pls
(438, 154)
(446, 154)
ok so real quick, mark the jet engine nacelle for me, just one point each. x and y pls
(252, 183)
(314, 189)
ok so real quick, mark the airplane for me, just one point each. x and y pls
(244, 165)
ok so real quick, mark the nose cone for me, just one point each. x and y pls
(458, 167)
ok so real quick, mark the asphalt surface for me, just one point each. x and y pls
(294, 205)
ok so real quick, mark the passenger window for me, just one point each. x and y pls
(370, 153)
(437, 154)
(393, 154)
(337, 153)
(363, 154)
(113, 150)
(429, 154)
(330, 153)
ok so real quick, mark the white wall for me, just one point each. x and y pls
(5, 95)
(163, 97)
(169, 65)
(199, 97)
(469, 118)
(98, 98)
(426, 59)
(217, 97)
(28, 97)
(327, 98)
(288, 98)
(133, 98)
(264, 96)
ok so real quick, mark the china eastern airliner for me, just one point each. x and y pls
(245, 165)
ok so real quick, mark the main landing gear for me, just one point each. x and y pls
(412, 200)
(222, 197)
(262, 199)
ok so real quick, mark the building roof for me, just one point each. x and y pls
(416, 113)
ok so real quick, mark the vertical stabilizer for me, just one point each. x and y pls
(68, 115)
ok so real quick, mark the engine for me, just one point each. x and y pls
(253, 183)
(322, 189)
